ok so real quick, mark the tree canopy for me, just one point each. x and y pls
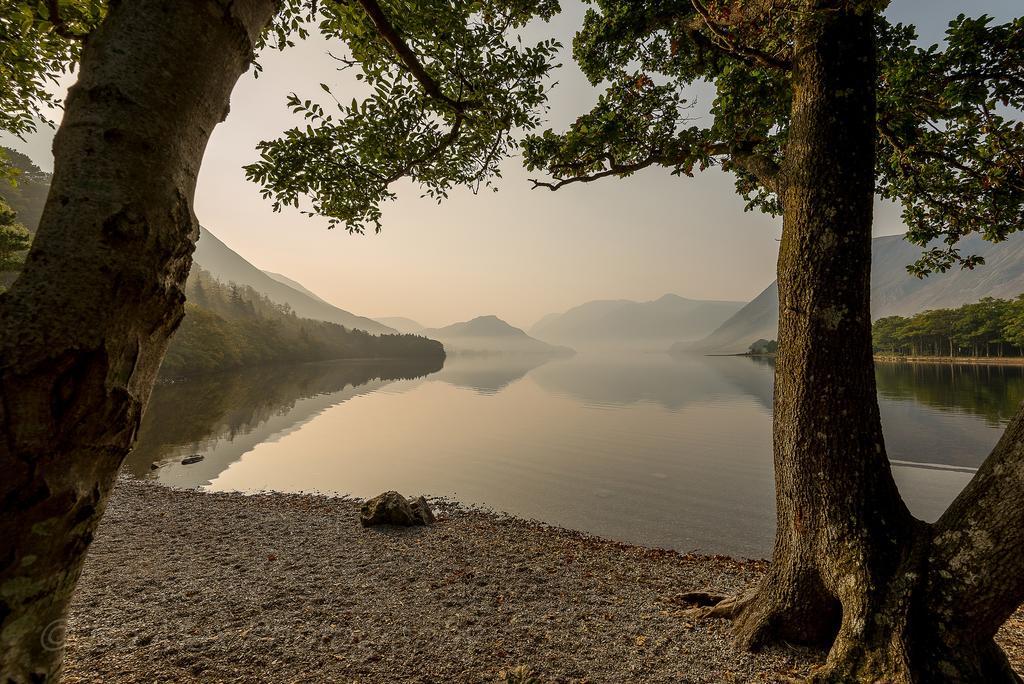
(949, 134)
(451, 90)
(448, 86)
(977, 329)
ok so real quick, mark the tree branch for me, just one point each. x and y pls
(449, 140)
(60, 26)
(979, 541)
(907, 153)
(727, 43)
(741, 155)
(409, 59)
(612, 170)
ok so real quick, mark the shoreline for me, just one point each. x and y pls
(188, 586)
(954, 360)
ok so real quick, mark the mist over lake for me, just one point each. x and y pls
(664, 451)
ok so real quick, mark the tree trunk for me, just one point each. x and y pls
(841, 526)
(83, 330)
(851, 567)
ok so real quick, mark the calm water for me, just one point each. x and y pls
(646, 448)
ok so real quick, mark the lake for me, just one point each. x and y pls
(664, 451)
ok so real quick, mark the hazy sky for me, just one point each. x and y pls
(518, 253)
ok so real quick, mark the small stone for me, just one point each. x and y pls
(194, 458)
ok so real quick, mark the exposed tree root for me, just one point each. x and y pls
(702, 598)
(876, 656)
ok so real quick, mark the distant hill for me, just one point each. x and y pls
(490, 335)
(893, 290)
(627, 323)
(226, 265)
(401, 324)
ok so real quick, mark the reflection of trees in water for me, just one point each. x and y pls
(990, 391)
(233, 403)
(762, 360)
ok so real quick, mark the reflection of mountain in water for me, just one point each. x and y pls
(628, 379)
(488, 374)
(223, 416)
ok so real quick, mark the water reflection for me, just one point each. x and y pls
(489, 373)
(618, 380)
(224, 415)
(991, 392)
(671, 452)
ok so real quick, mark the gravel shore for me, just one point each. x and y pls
(183, 586)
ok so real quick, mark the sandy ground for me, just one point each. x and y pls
(182, 586)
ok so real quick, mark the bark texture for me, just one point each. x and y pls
(896, 600)
(83, 330)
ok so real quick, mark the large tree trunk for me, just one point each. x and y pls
(851, 568)
(83, 330)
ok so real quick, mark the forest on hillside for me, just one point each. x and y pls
(989, 327)
(229, 326)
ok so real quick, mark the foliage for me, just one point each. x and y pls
(39, 41)
(763, 346)
(27, 192)
(14, 240)
(951, 140)
(231, 326)
(975, 329)
(649, 55)
(448, 87)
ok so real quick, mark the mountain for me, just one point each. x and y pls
(893, 290)
(627, 323)
(227, 266)
(490, 335)
(401, 324)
